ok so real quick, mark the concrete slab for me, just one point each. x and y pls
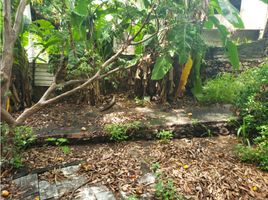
(29, 185)
(95, 193)
(47, 190)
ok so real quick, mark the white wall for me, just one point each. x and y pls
(254, 14)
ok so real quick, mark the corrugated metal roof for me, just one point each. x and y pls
(42, 76)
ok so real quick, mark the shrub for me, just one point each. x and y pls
(223, 89)
(13, 142)
(257, 154)
(249, 93)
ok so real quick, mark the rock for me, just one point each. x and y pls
(95, 193)
(28, 184)
(70, 172)
(224, 131)
(66, 185)
(146, 196)
(147, 179)
(47, 190)
(83, 129)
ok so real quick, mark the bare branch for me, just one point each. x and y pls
(151, 36)
(72, 82)
(93, 78)
(142, 26)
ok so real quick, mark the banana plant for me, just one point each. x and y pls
(184, 22)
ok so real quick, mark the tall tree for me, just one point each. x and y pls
(10, 34)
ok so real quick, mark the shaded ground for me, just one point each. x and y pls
(65, 118)
(214, 171)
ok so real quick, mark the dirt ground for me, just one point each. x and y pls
(213, 171)
(200, 168)
(69, 117)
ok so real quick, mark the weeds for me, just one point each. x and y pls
(61, 143)
(118, 132)
(249, 93)
(165, 135)
(132, 197)
(13, 142)
(212, 91)
(164, 189)
(142, 102)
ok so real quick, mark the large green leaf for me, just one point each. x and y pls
(265, 1)
(180, 41)
(81, 7)
(232, 54)
(231, 13)
(221, 28)
(161, 67)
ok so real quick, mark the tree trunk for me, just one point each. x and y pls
(9, 37)
(6, 67)
(6, 117)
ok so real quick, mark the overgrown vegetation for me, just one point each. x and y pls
(13, 142)
(164, 135)
(118, 132)
(85, 41)
(249, 93)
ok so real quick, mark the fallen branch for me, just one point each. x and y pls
(109, 105)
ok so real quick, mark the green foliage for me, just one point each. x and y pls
(253, 105)
(265, 1)
(164, 189)
(162, 66)
(119, 131)
(132, 197)
(155, 167)
(184, 34)
(230, 13)
(164, 135)
(142, 102)
(13, 142)
(23, 136)
(225, 8)
(232, 54)
(196, 79)
(257, 154)
(249, 93)
(225, 88)
(240, 90)
(61, 143)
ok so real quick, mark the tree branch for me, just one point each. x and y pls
(142, 26)
(42, 102)
(5, 116)
(151, 36)
(72, 82)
